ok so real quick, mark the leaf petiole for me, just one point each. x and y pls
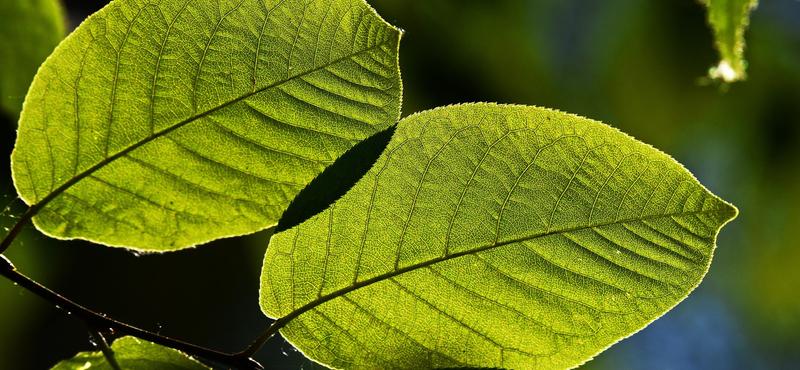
(101, 343)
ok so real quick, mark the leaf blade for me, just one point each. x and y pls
(493, 236)
(133, 354)
(185, 128)
(729, 20)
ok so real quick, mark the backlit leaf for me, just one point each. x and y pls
(729, 20)
(133, 354)
(159, 125)
(493, 236)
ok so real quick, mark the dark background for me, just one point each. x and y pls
(634, 64)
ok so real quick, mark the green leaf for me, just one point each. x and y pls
(162, 125)
(493, 236)
(133, 354)
(28, 33)
(729, 20)
(335, 181)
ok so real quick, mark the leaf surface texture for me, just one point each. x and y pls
(133, 354)
(159, 125)
(493, 236)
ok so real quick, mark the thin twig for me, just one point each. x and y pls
(5, 264)
(102, 344)
(94, 319)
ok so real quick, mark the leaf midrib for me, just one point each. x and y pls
(283, 321)
(34, 209)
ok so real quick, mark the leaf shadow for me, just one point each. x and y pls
(336, 180)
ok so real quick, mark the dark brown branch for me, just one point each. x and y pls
(5, 264)
(97, 320)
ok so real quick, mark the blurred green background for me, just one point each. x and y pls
(634, 64)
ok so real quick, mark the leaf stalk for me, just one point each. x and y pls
(102, 344)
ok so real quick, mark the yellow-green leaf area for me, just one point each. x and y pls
(729, 20)
(133, 354)
(159, 125)
(493, 236)
(28, 33)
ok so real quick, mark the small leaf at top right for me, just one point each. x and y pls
(729, 20)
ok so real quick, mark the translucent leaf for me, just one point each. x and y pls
(493, 236)
(729, 20)
(28, 33)
(133, 354)
(159, 125)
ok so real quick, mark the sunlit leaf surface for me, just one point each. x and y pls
(493, 236)
(133, 354)
(162, 125)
